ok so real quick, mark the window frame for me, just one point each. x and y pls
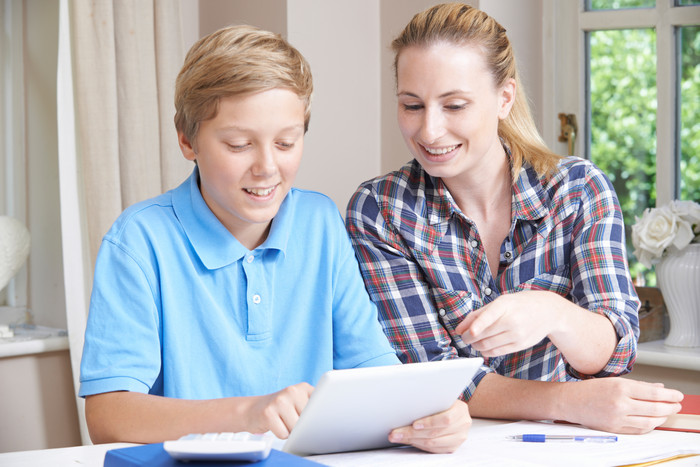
(569, 23)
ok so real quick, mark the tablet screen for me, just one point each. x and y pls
(355, 409)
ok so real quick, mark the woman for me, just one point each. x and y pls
(489, 244)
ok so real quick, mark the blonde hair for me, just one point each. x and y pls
(462, 24)
(237, 60)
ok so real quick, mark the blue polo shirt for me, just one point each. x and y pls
(180, 308)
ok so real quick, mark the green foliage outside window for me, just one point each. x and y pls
(620, 4)
(623, 120)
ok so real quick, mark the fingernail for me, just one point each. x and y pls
(418, 426)
(396, 437)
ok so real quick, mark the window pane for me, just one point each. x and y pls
(690, 113)
(622, 109)
(687, 2)
(619, 4)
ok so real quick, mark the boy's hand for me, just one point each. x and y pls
(279, 412)
(440, 433)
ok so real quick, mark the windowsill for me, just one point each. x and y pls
(27, 339)
(657, 354)
(32, 346)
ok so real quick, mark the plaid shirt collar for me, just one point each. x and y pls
(529, 198)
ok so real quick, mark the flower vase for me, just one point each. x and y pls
(678, 275)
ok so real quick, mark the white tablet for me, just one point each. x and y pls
(355, 409)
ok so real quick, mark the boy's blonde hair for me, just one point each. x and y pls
(236, 60)
(461, 24)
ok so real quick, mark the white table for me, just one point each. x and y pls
(485, 446)
(87, 456)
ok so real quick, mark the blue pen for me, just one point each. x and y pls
(537, 438)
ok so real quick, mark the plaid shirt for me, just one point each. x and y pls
(425, 268)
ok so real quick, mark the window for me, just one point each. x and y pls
(29, 155)
(12, 166)
(642, 102)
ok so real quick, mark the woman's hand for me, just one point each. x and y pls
(278, 412)
(440, 433)
(518, 321)
(619, 405)
(511, 323)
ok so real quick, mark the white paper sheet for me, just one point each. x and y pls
(488, 445)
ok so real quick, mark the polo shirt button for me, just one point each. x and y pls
(507, 255)
(256, 299)
(442, 312)
(250, 258)
(487, 291)
(474, 244)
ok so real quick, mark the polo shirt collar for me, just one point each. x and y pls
(282, 223)
(211, 240)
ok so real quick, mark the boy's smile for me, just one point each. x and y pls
(248, 156)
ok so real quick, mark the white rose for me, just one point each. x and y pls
(653, 233)
(684, 234)
(686, 210)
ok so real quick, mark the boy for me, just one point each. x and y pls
(218, 304)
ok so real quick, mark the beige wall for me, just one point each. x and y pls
(37, 402)
(265, 14)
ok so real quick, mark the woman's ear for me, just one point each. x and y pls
(507, 98)
(186, 147)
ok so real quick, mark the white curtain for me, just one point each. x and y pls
(118, 60)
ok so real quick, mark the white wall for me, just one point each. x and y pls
(523, 20)
(340, 41)
(395, 14)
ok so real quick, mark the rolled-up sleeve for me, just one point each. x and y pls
(600, 274)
